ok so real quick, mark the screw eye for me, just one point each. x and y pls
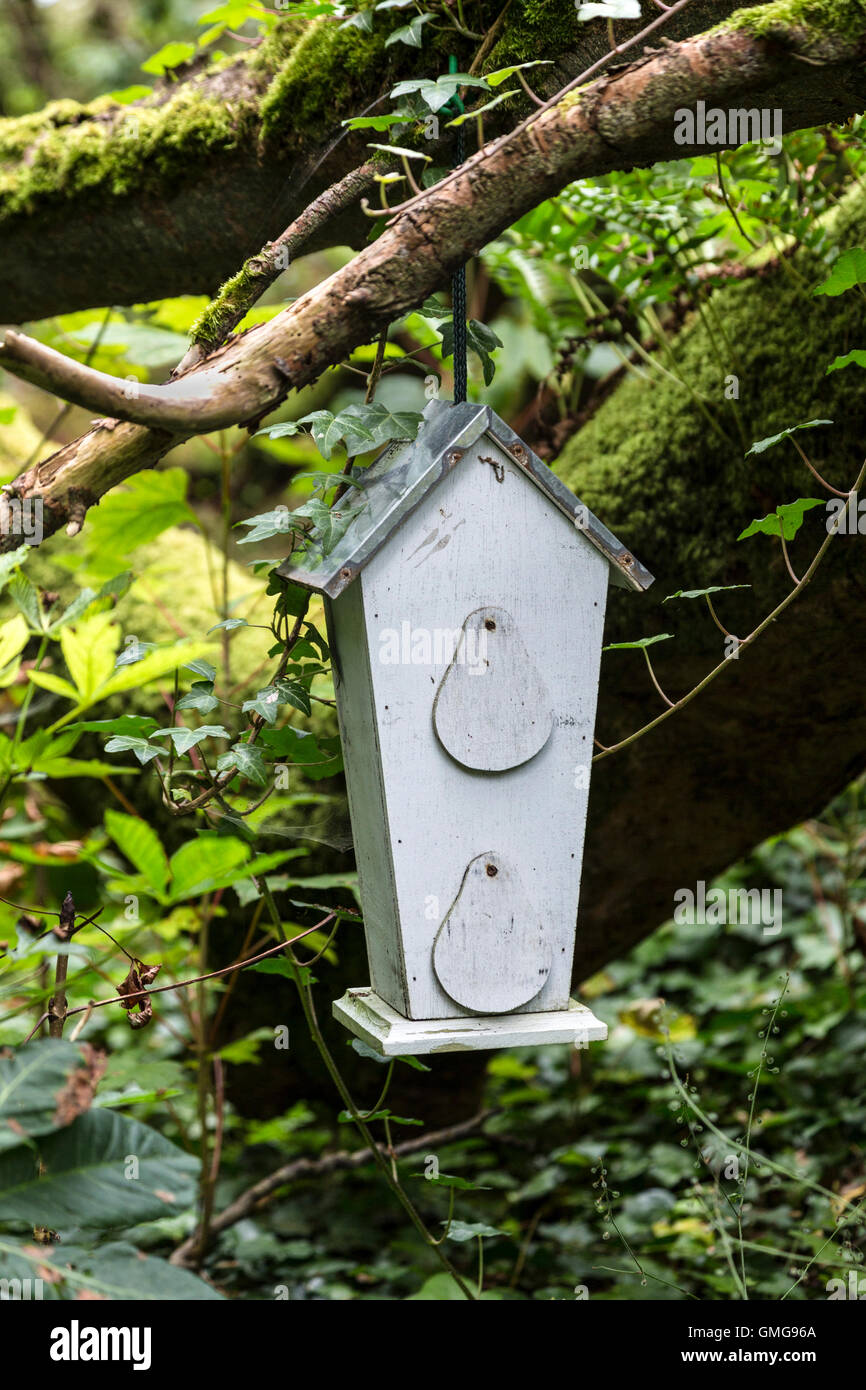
(490, 624)
(491, 870)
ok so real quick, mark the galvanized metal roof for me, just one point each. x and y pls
(404, 473)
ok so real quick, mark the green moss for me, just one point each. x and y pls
(229, 306)
(536, 29)
(325, 75)
(650, 458)
(845, 17)
(71, 148)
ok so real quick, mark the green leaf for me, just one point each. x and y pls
(10, 561)
(139, 724)
(480, 110)
(200, 697)
(502, 74)
(125, 743)
(379, 123)
(469, 1230)
(762, 445)
(87, 1176)
(319, 757)
(437, 93)
(848, 271)
(329, 430)
(124, 95)
(411, 33)
(185, 739)
(641, 642)
(135, 514)
(228, 625)
(785, 520)
(31, 1082)
(265, 704)
(26, 597)
(161, 662)
(279, 522)
(202, 862)
(114, 1271)
(855, 358)
(112, 589)
(701, 593)
(249, 761)
(140, 843)
(171, 55)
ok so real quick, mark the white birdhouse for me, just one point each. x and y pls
(465, 606)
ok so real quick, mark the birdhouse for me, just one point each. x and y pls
(465, 605)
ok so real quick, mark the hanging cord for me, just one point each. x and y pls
(458, 280)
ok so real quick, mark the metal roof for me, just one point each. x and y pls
(400, 478)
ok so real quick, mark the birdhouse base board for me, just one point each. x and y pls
(366, 1015)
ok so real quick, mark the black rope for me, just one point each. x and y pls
(458, 303)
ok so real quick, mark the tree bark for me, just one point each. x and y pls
(618, 121)
(107, 204)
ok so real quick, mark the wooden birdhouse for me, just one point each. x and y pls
(465, 606)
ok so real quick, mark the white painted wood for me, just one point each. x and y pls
(484, 537)
(491, 920)
(371, 833)
(370, 1018)
(492, 709)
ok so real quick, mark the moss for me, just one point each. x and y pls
(229, 306)
(536, 28)
(325, 74)
(649, 458)
(70, 148)
(844, 17)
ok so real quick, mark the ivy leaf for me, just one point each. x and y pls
(200, 697)
(249, 761)
(855, 358)
(785, 520)
(361, 19)
(469, 1230)
(319, 757)
(265, 704)
(294, 694)
(437, 93)
(133, 652)
(185, 739)
(849, 270)
(329, 430)
(126, 743)
(278, 522)
(502, 74)
(639, 644)
(379, 123)
(330, 523)
(488, 106)
(227, 625)
(762, 445)
(479, 339)
(411, 33)
(201, 668)
(385, 424)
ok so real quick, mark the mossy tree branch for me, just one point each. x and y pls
(111, 204)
